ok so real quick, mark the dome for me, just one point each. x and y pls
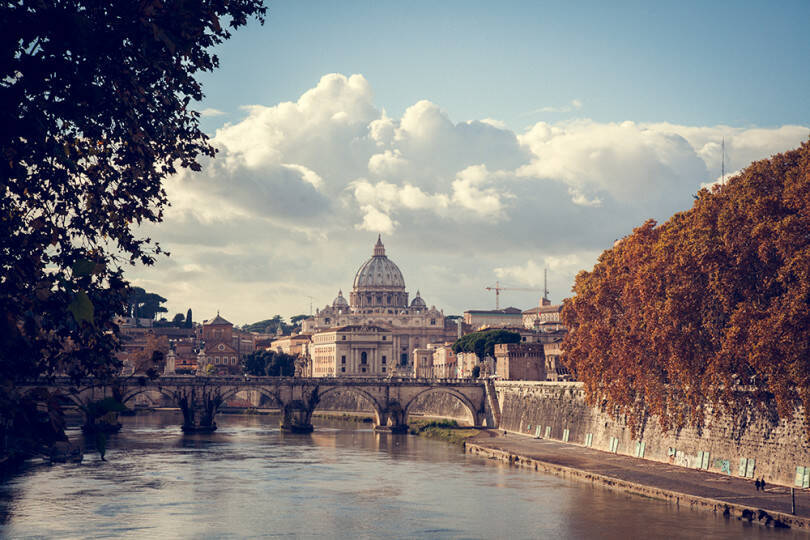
(340, 302)
(379, 272)
(418, 302)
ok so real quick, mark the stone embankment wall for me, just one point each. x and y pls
(751, 445)
(433, 404)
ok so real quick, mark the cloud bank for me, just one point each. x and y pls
(298, 191)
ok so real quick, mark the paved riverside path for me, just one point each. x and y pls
(691, 482)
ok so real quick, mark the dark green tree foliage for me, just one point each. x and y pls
(178, 320)
(710, 309)
(269, 363)
(188, 322)
(268, 326)
(96, 112)
(483, 343)
(144, 304)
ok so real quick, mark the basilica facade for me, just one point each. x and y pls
(377, 322)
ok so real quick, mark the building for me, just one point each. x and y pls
(445, 363)
(543, 318)
(520, 362)
(494, 318)
(222, 350)
(352, 351)
(465, 364)
(296, 345)
(185, 353)
(379, 299)
(555, 370)
(423, 363)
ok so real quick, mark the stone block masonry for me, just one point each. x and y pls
(751, 445)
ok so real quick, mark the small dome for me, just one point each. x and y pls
(417, 301)
(340, 302)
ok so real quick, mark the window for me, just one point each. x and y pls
(343, 359)
(343, 338)
(383, 360)
(364, 370)
(403, 359)
(388, 299)
(368, 298)
(326, 320)
(384, 338)
(363, 358)
(343, 369)
(433, 321)
(383, 370)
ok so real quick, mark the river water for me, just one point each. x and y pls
(250, 480)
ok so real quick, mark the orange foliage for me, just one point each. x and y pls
(683, 316)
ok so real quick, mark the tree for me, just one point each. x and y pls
(146, 305)
(483, 343)
(188, 323)
(97, 111)
(267, 326)
(178, 320)
(709, 310)
(269, 363)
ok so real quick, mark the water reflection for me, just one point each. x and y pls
(343, 480)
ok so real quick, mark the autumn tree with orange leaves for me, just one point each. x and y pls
(709, 310)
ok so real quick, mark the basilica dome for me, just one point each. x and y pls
(379, 272)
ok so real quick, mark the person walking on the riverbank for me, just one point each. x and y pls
(756, 484)
(762, 483)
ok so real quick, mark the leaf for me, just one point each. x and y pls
(83, 267)
(82, 308)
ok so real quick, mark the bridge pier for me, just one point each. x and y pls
(297, 417)
(199, 408)
(392, 419)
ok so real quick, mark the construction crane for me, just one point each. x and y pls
(497, 288)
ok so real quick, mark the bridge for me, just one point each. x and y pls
(200, 397)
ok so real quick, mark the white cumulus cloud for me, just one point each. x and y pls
(298, 191)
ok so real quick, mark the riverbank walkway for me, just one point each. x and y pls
(682, 485)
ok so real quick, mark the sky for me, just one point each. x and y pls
(484, 142)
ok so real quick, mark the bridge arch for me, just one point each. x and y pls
(375, 404)
(128, 395)
(232, 392)
(460, 396)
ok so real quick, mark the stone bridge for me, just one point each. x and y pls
(200, 397)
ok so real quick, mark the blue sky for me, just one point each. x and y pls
(693, 63)
(484, 141)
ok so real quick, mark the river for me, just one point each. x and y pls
(248, 479)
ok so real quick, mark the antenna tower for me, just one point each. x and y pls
(545, 283)
(723, 166)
